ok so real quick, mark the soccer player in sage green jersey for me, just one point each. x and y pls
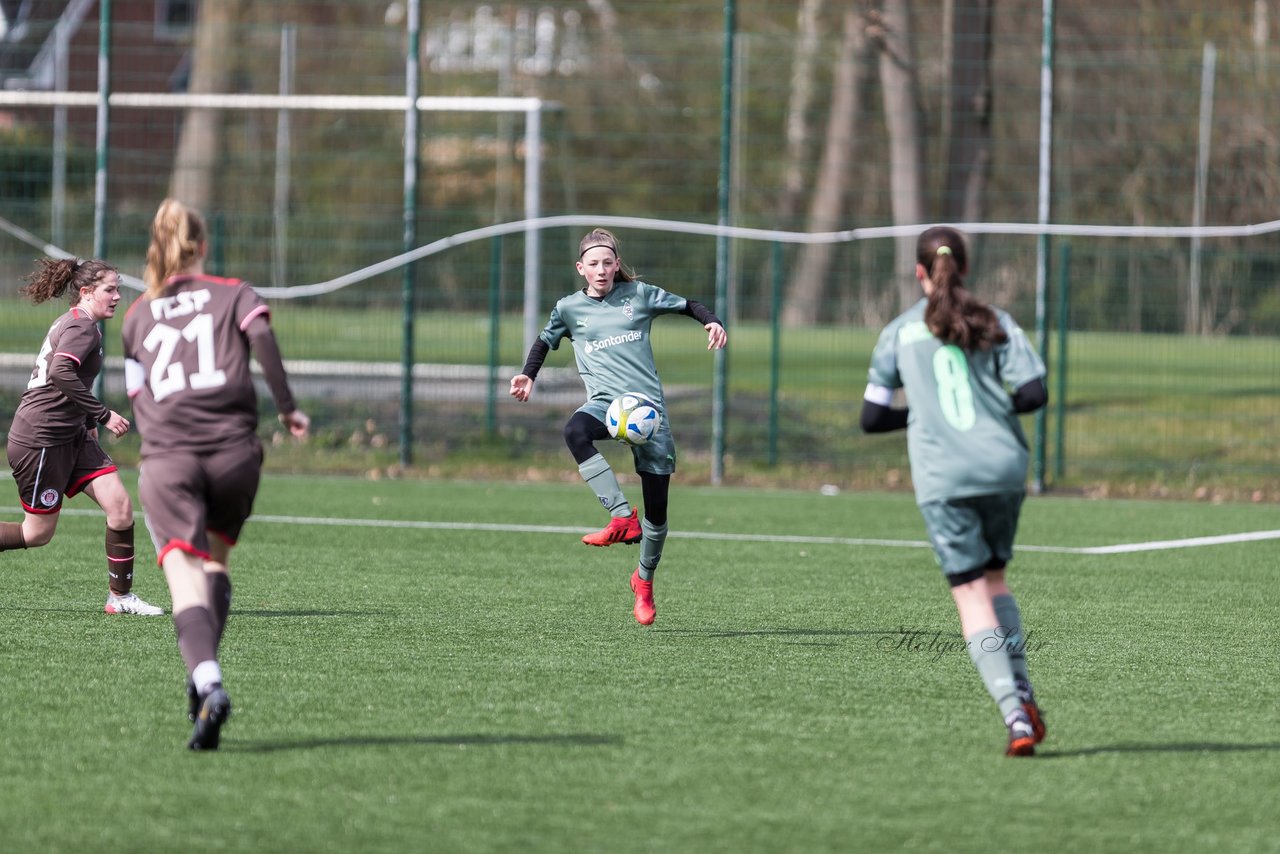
(968, 372)
(608, 322)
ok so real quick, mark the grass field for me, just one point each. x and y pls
(441, 666)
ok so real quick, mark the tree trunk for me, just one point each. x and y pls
(212, 67)
(801, 99)
(969, 112)
(807, 285)
(905, 126)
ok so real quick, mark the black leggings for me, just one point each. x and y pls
(580, 434)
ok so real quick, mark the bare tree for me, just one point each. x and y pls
(807, 285)
(968, 111)
(898, 79)
(616, 50)
(798, 104)
(212, 66)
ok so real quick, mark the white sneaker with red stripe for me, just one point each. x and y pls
(129, 603)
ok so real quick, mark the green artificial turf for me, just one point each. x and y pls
(458, 673)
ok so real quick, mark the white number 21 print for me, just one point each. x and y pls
(168, 376)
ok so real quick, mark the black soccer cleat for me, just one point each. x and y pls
(193, 701)
(215, 708)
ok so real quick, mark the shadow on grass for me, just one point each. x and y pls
(302, 612)
(779, 632)
(1172, 747)
(460, 740)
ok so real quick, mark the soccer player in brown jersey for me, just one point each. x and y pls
(187, 342)
(53, 442)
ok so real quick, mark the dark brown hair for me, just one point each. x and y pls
(953, 314)
(601, 237)
(55, 276)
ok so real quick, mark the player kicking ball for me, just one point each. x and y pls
(608, 322)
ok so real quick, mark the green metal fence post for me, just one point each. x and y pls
(217, 240)
(1060, 374)
(720, 391)
(495, 308)
(1043, 205)
(775, 350)
(408, 287)
(101, 138)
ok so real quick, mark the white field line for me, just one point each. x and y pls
(795, 539)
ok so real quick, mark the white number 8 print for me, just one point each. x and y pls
(168, 376)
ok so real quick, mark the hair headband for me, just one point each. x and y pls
(597, 246)
(943, 250)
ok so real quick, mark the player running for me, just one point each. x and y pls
(608, 322)
(187, 342)
(53, 442)
(968, 371)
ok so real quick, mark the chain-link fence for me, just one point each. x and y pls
(1162, 351)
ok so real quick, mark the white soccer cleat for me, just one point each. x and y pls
(129, 603)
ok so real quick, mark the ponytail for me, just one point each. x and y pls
(57, 276)
(953, 314)
(177, 242)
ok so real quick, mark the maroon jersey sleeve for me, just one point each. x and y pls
(188, 364)
(52, 411)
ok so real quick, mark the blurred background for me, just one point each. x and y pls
(838, 119)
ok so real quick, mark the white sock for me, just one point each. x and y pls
(206, 675)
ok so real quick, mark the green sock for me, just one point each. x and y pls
(987, 649)
(1010, 619)
(604, 483)
(651, 548)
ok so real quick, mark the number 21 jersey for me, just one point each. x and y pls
(187, 364)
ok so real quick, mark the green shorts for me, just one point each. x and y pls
(973, 533)
(657, 456)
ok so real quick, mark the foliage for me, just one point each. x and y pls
(27, 164)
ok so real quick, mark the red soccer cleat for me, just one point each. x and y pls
(1037, 720)
(621, 529)
(644, 608)
(1022, 739)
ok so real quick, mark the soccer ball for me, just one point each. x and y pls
(632, 418)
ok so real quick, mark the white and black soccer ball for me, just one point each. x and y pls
(632, 418)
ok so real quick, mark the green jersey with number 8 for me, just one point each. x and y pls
(963, 436)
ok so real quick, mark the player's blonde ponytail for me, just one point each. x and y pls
(177, 242)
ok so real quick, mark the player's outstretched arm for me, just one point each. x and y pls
(522, 383)
(521, 387)
(717, 338)
(267, 351)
